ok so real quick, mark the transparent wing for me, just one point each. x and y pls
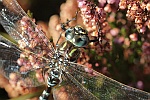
(81, 78)
(22, 28)
(71, 89)
(10, 69)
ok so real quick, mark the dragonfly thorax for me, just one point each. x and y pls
(68, 51)
(56, 61)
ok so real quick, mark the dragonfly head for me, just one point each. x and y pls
(77, 35)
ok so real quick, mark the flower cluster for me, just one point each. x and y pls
(137, 11)
(94, 18)
(109, 5)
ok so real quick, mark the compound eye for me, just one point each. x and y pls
(69, 34)
(80, 41)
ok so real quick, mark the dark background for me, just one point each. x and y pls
(42, 10)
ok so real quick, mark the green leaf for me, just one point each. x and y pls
(8, 37)
(30, 14)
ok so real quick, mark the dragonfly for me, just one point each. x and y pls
(34, 61)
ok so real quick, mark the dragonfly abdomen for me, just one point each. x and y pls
(52, 80)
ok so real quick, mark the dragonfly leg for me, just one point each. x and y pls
(64, 25)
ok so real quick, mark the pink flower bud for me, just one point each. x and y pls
(133, 37)
(20, 61)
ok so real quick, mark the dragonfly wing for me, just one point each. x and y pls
(37, 50)
(71, 89)
(22, 28)
(103, 87)
(10, 69)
